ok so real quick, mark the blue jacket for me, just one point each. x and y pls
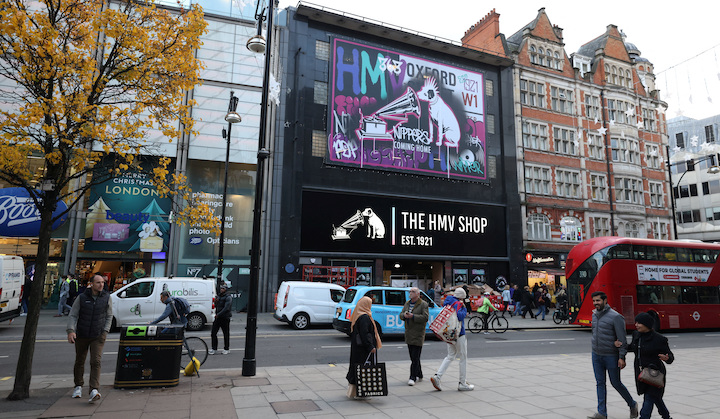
(459, 309)
(170, 311)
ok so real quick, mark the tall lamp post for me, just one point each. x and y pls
(232, 117)
(255, 44)
(714, 169)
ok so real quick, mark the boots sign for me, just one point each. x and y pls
(334, 222)
(19, 217)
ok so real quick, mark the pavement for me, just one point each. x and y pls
(538, 387)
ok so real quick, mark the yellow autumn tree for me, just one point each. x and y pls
(84, 81)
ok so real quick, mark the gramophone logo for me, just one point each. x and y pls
(375, 226)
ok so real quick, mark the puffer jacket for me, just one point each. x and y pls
(608, 326)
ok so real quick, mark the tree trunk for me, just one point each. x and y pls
(23, 373)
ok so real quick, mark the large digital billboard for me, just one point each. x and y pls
(393, 111)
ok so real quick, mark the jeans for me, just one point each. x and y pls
(415, 367)
(609, 364)
(653, 398)
(95, 345)
(541, 309)
(518, 309)
(458, 349)
(223, 324)
(63, 305)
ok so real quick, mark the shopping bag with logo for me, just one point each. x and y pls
(446, 325)
(371, 378)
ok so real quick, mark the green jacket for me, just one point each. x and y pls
(415, 326)
(486, 306)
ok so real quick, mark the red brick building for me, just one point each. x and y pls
(590, 132)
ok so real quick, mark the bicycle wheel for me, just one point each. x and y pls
(556, 317)
(198, 347)
(499, 324)
(475, 324)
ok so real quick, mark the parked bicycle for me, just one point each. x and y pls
(497, 322)
(195, 347)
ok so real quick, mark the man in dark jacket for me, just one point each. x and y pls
(88, 325)
(609, 348)
(223, 314)
(177, 315)
(415, 315)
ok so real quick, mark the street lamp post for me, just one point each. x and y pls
(714, 169)
(249, 364)
(232, 117)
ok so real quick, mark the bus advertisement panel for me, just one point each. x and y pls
(676, 282)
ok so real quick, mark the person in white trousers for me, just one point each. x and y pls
(457, 349)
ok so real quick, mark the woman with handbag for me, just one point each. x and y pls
(364, 340)
(652, 352)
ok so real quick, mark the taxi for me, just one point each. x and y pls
(387, 305)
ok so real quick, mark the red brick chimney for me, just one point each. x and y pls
(485, 35)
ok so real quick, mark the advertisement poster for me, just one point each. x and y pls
(393, 111)
(127, 214)
(339, 222)
(673, 273)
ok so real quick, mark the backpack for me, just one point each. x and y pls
(182, 306)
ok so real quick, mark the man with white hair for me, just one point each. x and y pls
(415, 315)
(457, 349)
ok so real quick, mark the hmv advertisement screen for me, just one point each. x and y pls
(338, 222)
(393, 111)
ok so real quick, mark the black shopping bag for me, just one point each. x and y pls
(371, 378)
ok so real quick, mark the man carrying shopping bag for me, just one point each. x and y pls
(459, 347)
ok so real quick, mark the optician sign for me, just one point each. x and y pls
(19, 217)
(673, 273)
(338, 222)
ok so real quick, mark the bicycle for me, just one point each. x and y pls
(561, 315)
(195, 348)
(498, 323)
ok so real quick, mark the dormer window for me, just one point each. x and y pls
(533, 54)
(546, 57)
(541, 57)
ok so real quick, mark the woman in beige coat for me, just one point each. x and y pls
(415, 315)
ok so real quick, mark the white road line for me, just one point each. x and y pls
(714, 335)
(334, 346)
(4, 356)
(526, 340)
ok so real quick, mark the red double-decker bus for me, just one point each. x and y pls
(673, 280)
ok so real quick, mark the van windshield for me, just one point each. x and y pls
(349, 295)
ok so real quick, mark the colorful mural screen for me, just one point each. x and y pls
(397, 112)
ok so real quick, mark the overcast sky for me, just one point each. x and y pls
(679, 38)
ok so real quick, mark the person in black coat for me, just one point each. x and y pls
(651, 350)
(528, 302)
(364, 340)
(223, 307)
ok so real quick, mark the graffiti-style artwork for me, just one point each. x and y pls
(398, 112)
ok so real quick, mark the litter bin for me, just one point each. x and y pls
(149, 356)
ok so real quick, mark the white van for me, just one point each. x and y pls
(139, 302)
(12, 278)
(301, 303)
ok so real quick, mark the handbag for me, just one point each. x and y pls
(371, 378)
(446, 325)
(649, 375)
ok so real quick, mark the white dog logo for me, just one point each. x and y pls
(376, 228)
(440, 115)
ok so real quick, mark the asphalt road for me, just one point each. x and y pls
(280, 345)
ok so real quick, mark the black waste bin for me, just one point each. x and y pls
(149, 356)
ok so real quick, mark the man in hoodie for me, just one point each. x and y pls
(457, 349)
(222, 321)
(608, 327)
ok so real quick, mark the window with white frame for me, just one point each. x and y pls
(567, 183)
(656, 194)
(596, 146)
(649, 119)
(570, 229)
(625, 150)
(598, 187)
(537, 180)
(532, 93)
(653, 156)
(592, 106)
(562, 99)
(691, 216)
(564, 140)
(617, 111)
(628, 190)
(680, 139)
(659, 230)
(601, 226)
(632, 229)
(535, 135)
(533, 54)
(538, 226)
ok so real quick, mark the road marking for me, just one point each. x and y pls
(5, 378)
(527, 340)
(334, 346)
(714, 335)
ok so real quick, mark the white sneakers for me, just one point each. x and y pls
(411, 382)
(225, 352)
(94, 396)
(211, 352)
(465, 387)
(435, 380)
(77, 393)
